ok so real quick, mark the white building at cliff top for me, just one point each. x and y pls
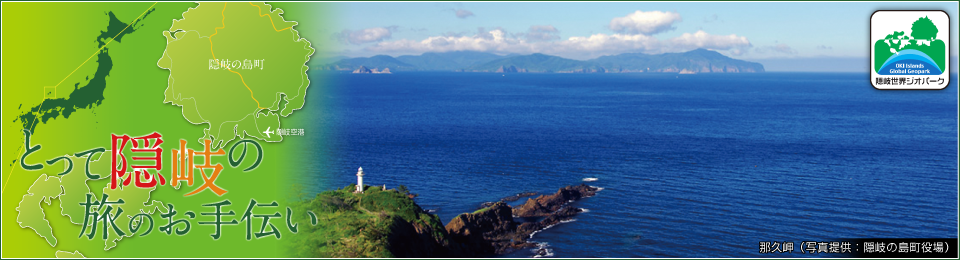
(359, 180)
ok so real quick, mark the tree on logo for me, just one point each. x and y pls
(923, 29)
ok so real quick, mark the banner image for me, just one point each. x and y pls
(479, 130)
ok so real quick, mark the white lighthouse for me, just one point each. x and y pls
(360, 180)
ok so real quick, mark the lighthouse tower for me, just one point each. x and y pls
(360, 180)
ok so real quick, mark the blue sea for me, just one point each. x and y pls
(704, 165)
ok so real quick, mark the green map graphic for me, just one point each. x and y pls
(74, 187)
(91, 94)
(923, 38)
(234, 104)
(241, 100)
(67, 254)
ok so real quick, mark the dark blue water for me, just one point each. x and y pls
(691, 165)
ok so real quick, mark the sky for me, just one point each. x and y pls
(585, 30)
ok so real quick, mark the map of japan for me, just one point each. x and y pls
(238, 67)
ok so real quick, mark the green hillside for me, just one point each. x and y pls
(376, 223)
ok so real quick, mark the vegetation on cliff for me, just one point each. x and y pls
(388, 223)
(376, 223)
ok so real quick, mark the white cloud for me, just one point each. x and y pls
(544, 28)
(499, 41)
(490, 41)
(648, 23)
(367, 35)
(463, 13)
(604, 44)
(634, 35)
(702, 39)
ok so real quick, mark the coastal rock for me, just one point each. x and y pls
(365, 70)
(482, 230)
(417, 239)
(508, 199)
(546, 204)
(494, 231)
(362, 70)
(519, 195)
(528, 228)
(414, 239)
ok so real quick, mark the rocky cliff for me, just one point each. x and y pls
(493, 230)
(388, 223)
(545, 205)
(362, 70)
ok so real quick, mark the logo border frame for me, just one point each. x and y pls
(870, 53)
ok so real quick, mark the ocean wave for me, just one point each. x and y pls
(538, 231)
(583, 210)
(596, 187)
(550, 226)
(542, 250)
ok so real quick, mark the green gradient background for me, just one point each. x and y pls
(44, 42)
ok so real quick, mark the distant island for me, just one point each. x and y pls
(365, 70)
(383, 222)
(695, 61)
